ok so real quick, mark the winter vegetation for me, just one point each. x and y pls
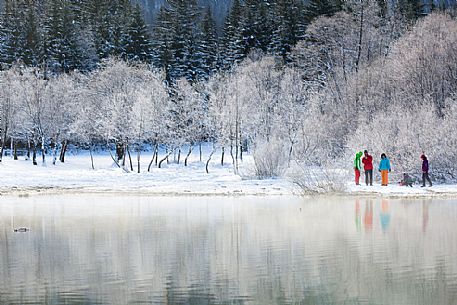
(298, 87)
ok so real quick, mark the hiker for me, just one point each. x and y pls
(425, 175)
(357, 167)
(384, 168)
(407, 180)
(367, 161)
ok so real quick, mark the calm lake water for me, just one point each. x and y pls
(117, 249)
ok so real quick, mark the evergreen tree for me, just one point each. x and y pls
(209, 46)
(256, 25)
(233, 43)
(12, 33)
(290, 26)
(137, 41)
(177, 39)
(62, 50)
(32, 43)
(162, 41)
(411, 9)
(118, 21)
(316, 8)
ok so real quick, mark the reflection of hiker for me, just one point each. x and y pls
(384, 168)
(367, 161)
(358, 217)
(368, 216)
(425, 175)
(407, 180)
(357, 166)
(385, 215)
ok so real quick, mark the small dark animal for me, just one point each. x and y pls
(21, 230)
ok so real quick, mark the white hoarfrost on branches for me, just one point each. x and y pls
(359, 80)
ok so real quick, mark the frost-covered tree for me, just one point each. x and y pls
(9, 86)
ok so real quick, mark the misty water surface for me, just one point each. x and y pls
(118, 249)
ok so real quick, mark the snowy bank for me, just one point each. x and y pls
(445, 190)
(173, 179)
(76, 175)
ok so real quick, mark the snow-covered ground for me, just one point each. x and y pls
(173, 179)
(76, 174)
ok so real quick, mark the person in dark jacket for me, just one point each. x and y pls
(367, 161)
(425, 168)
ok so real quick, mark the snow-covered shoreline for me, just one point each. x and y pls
(76, 176)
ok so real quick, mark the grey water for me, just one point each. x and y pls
(126, 249)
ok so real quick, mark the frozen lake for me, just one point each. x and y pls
(121, 249)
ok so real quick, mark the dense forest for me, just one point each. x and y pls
(184, 40)
(61, 36)
(296, 85)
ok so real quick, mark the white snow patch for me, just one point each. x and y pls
(173, 179)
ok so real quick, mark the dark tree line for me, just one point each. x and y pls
(60, 36)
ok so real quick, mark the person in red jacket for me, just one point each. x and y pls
(367, 161)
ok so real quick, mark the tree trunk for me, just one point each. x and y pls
(231, 154)
(138, 159)
(11, 147)
(237, 127)
(54, 152)
(200, 150)
(359, 47)
(120, 151)
(28, 149)
(91, 156)
(155, 156)
(130, 157)
(188, 154)
(166, 158)
(43, 152)
(117, 162)
(34, 154)
(2, 148)
(1, 151)
(222, 156)
(123, 155)
(15, 151)
(63, 150)
(290, 153)
(156, 152)
(179, 155)
(209, 159)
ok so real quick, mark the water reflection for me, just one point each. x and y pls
(132, 250)
(425, 204)
(368, 217)
(385, 214)
(358, 216)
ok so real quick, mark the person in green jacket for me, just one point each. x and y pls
(357, 167)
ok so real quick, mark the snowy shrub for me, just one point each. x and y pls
(270, 159)
(318, 179)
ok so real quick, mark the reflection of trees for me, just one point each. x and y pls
(230, 253)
